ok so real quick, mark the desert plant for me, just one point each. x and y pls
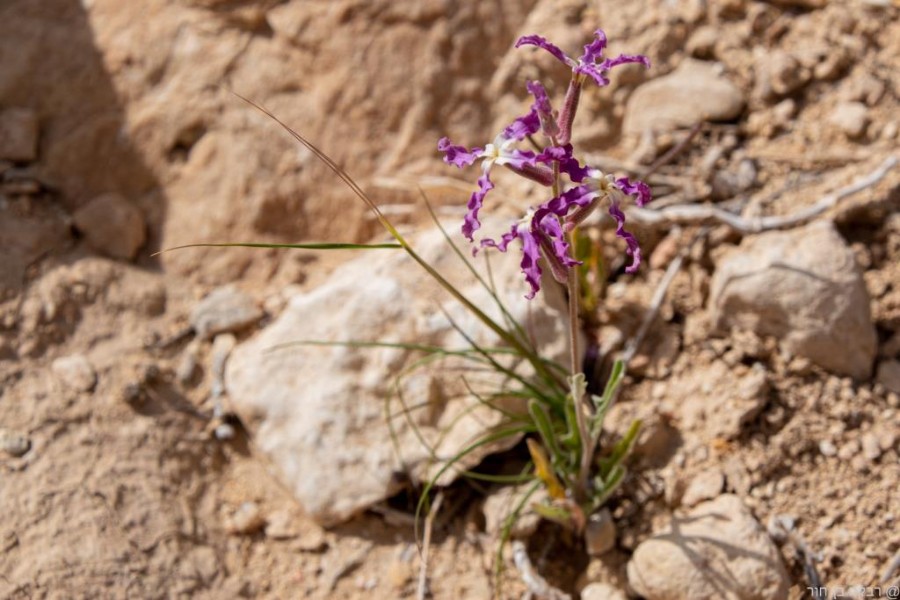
(563, 423)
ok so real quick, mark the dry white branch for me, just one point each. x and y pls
(537, 585)
(694, 214)
(422, 588)
(656, 302)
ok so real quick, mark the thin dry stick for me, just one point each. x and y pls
(658, 296)
(422, 588)
(536, 584)
(672, 153)
(891, 568)
(692, 214)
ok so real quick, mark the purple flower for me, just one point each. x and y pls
(634, 249)
(541, 235)
(591, 63)
(543, 230)
(502, 151)
(546, 114)
(598, 186)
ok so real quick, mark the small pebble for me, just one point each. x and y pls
(702, 43)
(602, 591)
(889, 375)
(851, 118)
(870, 446)
(246, 519)
(600, 533)
(225, 309)
(827, 448)
(13, 443)
(280, 525)
(705, 486)
(112, 225)
(75, 372)
(848, 450)
(786, 74)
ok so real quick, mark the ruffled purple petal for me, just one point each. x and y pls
(594, 50)
(597, 72)
(540, 42)
(505, 239)
(634, 249)
(543, 108)
(639, 190)
(531, 254)
(471, 222)
(555, 153)
(594, 73)
(517, 159)
(552, 229)
(523, 126)
(568, 164)
(623, 59)
(458, 155)
(560, 206)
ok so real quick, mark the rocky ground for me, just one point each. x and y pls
(151, 444)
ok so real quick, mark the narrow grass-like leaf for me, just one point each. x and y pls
(603, 403)
(468, 353)
(556, 513)
(506, 530)
(620, 450)
(493, 405)
(504, 479)
(502, 333)
(609, 486)
(305, 246)
(496, 365)
(545, 429)
(491, 289)
(485, 440)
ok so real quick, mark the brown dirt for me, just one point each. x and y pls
(125, 492)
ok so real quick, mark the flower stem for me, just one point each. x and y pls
(587, 444)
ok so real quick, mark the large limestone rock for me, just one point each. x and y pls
(319, 411)
(804, 287)
(694, 92)
(718, 551)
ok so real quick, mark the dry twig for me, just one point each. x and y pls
(422, 588)
(537, 585)
(693, 214)
(672, 153)
(658, 296)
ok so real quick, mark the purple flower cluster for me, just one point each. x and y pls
(543, 230)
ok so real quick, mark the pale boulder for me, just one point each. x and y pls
(804, 287)
(718, 551)
(696, 91)
(319, 411)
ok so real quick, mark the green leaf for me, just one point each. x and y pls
(555, 513)
(545, 429)
(483, 441)
(307, 246)
(602, 404)
(620, 450)
(507, 528)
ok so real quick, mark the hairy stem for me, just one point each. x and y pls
(587, 446)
